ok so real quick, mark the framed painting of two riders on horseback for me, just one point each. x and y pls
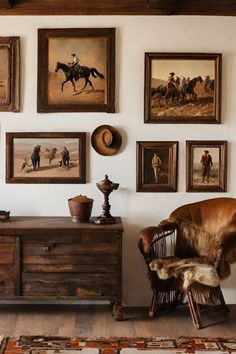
(182, 88)
(76, 70)
(46, 157)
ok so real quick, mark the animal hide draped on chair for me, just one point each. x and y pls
(189, 270)
(201, 240)
(205, 227)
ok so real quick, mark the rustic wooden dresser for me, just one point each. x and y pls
(52, 258)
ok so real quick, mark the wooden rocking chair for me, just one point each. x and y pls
(206, 231)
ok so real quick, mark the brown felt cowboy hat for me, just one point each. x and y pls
(106, 140)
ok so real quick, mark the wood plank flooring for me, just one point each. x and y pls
(96, 321)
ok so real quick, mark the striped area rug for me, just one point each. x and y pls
(66, 345)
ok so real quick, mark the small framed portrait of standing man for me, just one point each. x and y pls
(157, 166)
(206, 166)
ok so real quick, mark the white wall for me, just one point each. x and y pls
(135, 35)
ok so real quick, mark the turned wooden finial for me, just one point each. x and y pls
(106, 187)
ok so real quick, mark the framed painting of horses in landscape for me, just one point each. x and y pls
(206, 166)
(9, 74)
(182, 88)
(46, 157)
(76, 70)
(156, 163)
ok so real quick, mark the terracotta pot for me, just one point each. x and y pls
(80, 208)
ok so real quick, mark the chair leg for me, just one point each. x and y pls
(223, 303)
(193, 307)
(152, 308)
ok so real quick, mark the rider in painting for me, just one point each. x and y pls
(75, 66)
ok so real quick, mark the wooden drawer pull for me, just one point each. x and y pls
(46, 248)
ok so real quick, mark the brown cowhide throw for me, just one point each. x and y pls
(190, 270)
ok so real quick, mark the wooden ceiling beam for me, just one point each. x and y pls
(5, 4)
(167, 7)
(118, 7)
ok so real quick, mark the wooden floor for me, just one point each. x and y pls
(96, 321)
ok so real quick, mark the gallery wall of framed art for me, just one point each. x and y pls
(124, 95)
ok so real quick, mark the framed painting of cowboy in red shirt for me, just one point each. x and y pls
(76, 70)
(9, 74)
(182, 88)
(206, 166)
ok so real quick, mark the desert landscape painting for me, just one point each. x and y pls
(79, 62)
(46, 157)
(182, 88)
(206, 165)
(4, 65)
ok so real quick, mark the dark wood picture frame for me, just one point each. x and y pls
(12, 101)
(168, 180)
(10, 178)
(180, 100)
(204, 185)
(44, 35)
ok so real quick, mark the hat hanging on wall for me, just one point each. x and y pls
(106, 140)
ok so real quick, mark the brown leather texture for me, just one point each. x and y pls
(205, 229)
(204, 232)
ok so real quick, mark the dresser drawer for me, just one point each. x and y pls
(7, 251)
(9, 266)
(67, 285)
(7, 286)
(73, 248)
(81, 253)
(78, 245)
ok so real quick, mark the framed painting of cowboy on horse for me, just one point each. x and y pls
(9, 74)
(76, 70)
(182, 88)
(46, 158)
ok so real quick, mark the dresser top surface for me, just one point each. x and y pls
(18, 223)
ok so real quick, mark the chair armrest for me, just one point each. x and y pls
(146, 236)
